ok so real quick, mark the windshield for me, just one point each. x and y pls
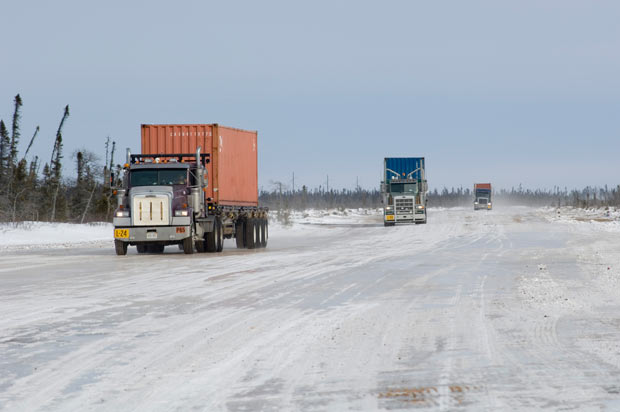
(158, 177)
(408, 188)
(483, 193)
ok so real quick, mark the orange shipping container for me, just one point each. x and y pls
(233, 170)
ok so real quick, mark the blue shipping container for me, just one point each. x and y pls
(403, 168)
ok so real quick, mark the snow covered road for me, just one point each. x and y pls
(502, 310)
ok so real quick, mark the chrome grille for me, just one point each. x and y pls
(404, 205)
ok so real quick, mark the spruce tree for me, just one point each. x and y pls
(15, 134)
(36, 131)
(5, 148)
(56, 168)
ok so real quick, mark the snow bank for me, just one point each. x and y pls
(42, 234)
(606, 219)
(26, 234)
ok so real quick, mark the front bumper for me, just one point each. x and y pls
(139, 234)
(418, 216)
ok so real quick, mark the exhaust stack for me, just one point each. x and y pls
(198, 197)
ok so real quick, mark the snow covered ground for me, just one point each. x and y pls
(512, 309)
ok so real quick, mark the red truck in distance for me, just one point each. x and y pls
(482, 196)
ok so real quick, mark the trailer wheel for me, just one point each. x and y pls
(188, 245)
(240, 234)
(141, 248)
(263, 233)
(258, 243)
(251, 234)
(220, 235)
(120, 247)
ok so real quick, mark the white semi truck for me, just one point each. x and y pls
(404, 190)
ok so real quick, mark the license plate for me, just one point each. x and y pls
(151, 235)
(121, 233)
(389, 217)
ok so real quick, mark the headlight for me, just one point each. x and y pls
(489, 203)
(122, 213)
(420, 206)
(389, 208)
(475, 203)
(181, 213)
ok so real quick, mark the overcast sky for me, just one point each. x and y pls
(523, 92)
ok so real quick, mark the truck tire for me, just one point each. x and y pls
(220, 236)
(263, 232)
(386, 224)
(213, 238)
(141, 248)
(188, 245)
(120, 247)
(251, 232)
(258, 243)
(240, 234)
(201, 247)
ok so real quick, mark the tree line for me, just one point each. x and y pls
(304, 198)
(38, 189)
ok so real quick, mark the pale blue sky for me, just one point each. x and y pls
(508, 92)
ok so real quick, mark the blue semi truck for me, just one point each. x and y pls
(404, 190)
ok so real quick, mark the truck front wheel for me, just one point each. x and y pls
(120, 247)
(188, 245)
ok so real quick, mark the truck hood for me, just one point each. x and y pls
(151, 205)
(151, 190)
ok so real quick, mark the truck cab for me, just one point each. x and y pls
(405, 203)
(404, 191)
(482, 196)
(160, 201)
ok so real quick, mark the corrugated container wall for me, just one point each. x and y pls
(233, 170)
(482, 186)
(403, 168)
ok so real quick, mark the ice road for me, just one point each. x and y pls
(501, 310)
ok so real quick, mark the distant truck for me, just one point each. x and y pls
(192, 186)
(482, 196)
(404, 190)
